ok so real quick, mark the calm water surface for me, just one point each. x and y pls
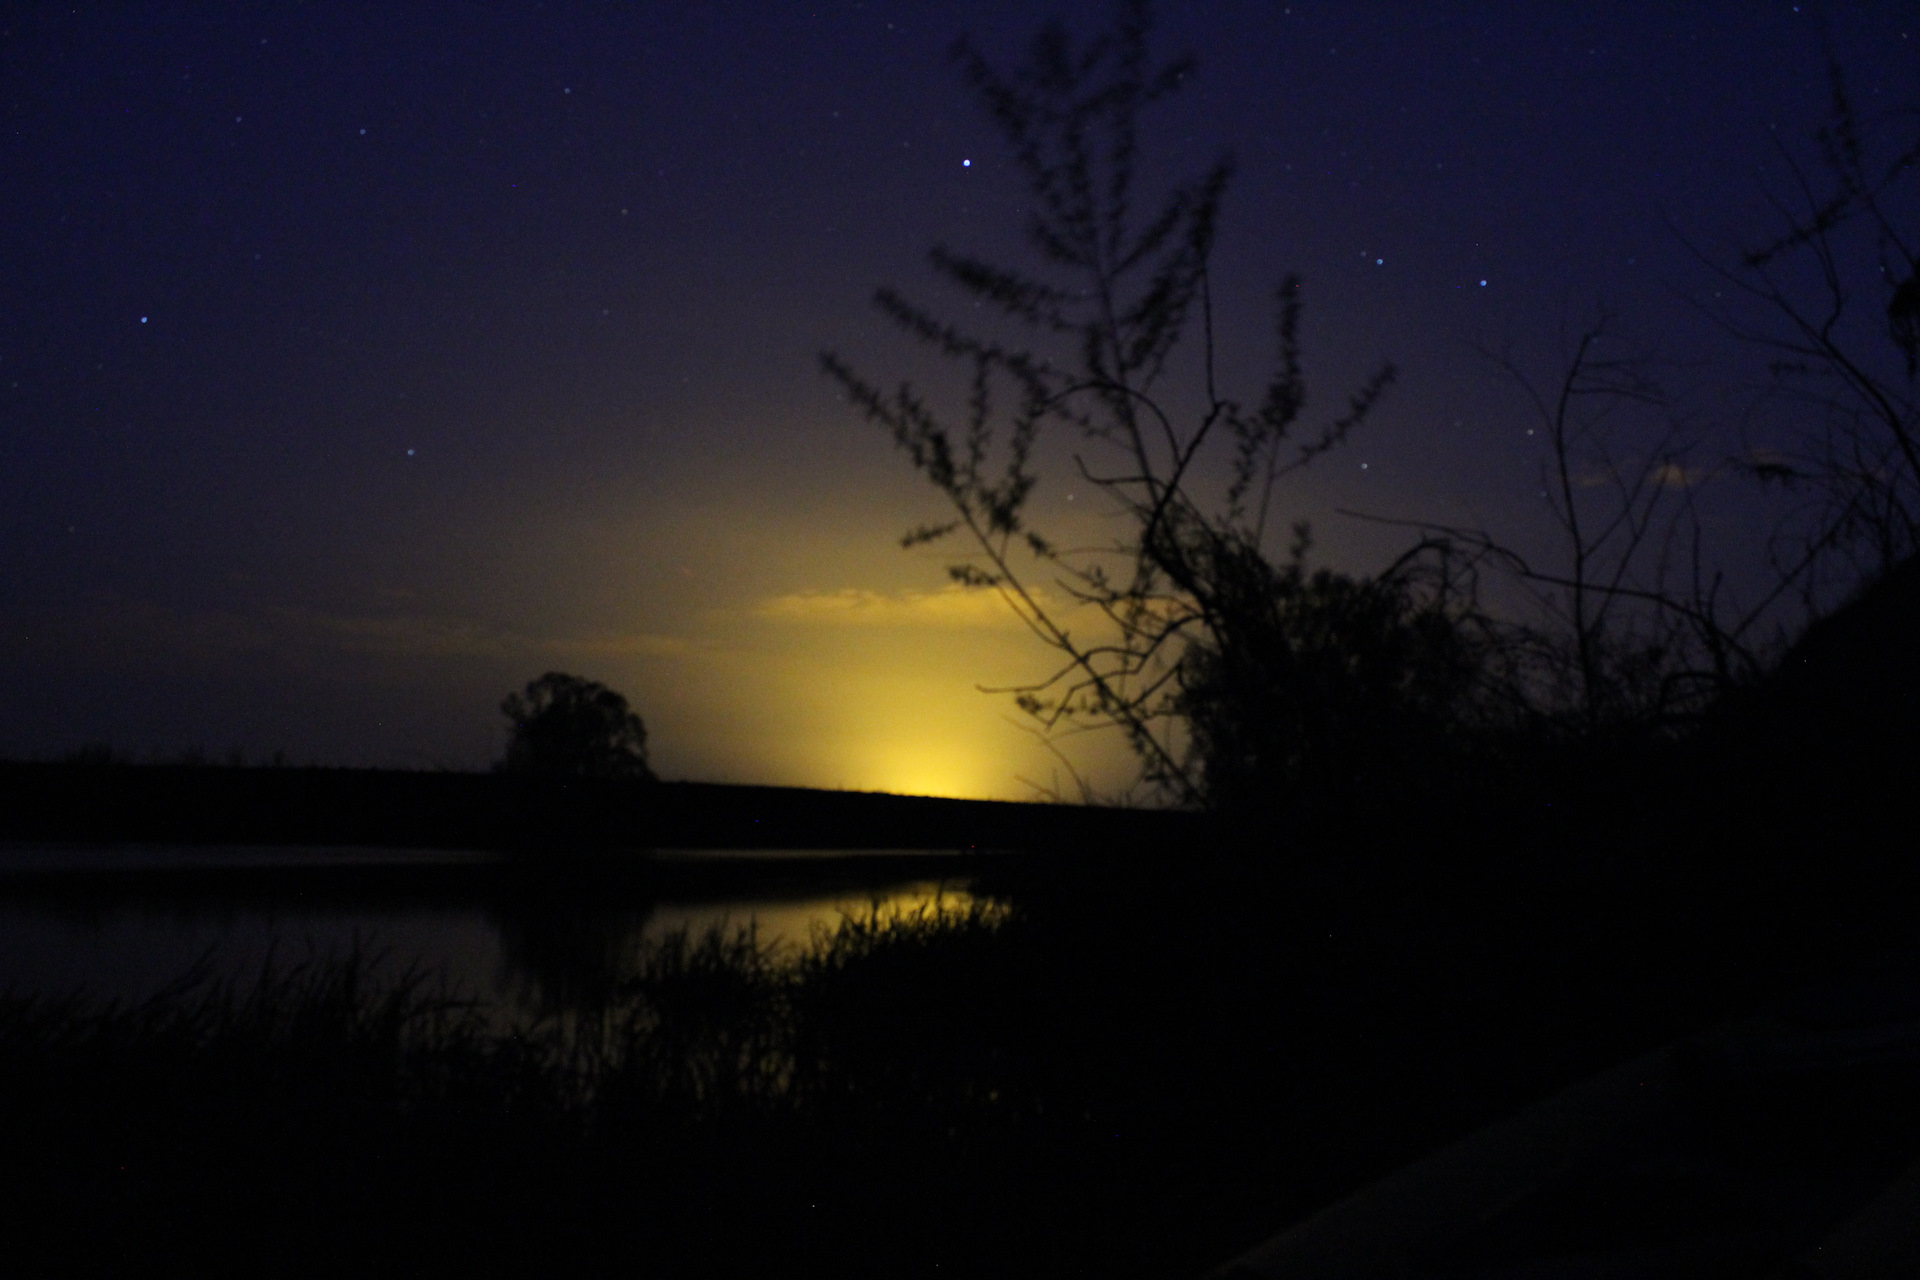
(525, 951)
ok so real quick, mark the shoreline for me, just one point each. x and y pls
(34, 870)
(222, 805)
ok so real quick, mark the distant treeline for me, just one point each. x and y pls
(219, 804)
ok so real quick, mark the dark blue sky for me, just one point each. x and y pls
(360, 362)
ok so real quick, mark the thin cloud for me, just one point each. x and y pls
(1664, 475)
(1675, 475)
(950, 607)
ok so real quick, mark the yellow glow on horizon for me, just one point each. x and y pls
(879, 709)
(860, 688)
(931, 769)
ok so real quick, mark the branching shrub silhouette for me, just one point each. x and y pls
(1106, 306)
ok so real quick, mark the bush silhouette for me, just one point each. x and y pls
(1318, 690)
(568, 727)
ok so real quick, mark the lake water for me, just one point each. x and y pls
(527, 948)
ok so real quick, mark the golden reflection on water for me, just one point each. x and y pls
(569, 954)
(527, 953)
(792, 924)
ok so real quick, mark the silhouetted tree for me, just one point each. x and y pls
(1176, 599)
(565, 726)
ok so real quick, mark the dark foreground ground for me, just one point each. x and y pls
(1163, 1050)
(1152, 1060)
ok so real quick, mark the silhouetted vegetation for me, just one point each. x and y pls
(568, 727)
(1110, 305)
(1626, 634)
(1837, 289)
(1321, 691)
(1099, 1069)
(1512, 846)
(1511, 851)
(1247, 682)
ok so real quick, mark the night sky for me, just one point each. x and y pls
(359, 363)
